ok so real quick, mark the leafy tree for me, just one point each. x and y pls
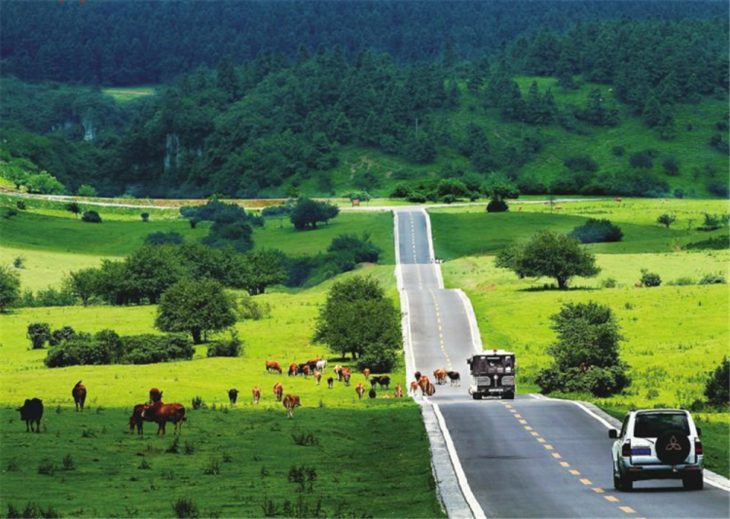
(86, 190)
(549, 254)
(151, 270)
(671, 166)
(44, 183)
(581, 163)
(195, 307)
(145, 217)
(357, 317)
(264, 268)
(718, 384)
(641, 160)
(307, 213)
(14, 172)
(38, 334)
(84, 284)
(650, 279)
(666, 219)
(453, 187)
(362, 249)
(74, 208)
(652, 112)
(9, 288)
(499, 188)
(586, 353)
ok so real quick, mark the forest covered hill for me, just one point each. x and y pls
(625, 98)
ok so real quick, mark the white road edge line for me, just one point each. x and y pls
(431, 254)
(711, 478)
(463, 481)
(476, 338)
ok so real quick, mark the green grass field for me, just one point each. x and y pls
(674, 334)
(54, 243)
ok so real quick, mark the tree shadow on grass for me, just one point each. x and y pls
(553, 288)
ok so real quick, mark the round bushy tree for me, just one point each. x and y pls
(195, 307)
(549, 254)
(717, 388)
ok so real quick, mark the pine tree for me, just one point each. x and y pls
(652, 111)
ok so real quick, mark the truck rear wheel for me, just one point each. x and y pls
(476, 396)
(508, 396)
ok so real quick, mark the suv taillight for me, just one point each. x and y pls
(698, 448)
(626, 450)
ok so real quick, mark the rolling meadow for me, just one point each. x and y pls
(240, 459)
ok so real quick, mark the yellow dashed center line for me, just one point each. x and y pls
(611, 499)
(556, 456)
(598, 490)
(548, 447)
(586, 481)
(564, 464)
(627, 509)
(574, 472)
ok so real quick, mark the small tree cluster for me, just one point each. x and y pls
(597, 231)
(586, 355)
(307, 213)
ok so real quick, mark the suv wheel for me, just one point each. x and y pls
(694, 481)
(616, 482)
(476, 396)
(626, 483)
(508, 396)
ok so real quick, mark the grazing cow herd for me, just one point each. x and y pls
(159, 412)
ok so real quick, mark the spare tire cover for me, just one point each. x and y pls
(672, 447)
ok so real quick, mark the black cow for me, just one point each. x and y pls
(372, 393)
(32, 411)
(233, 395)
(374, 380)
(384, 381)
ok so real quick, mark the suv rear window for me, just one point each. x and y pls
(651, 425)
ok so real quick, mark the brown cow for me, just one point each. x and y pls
(360, 390)
(431, 389)
(79, 395)
(330, 382)
(290, 402)
(155, 395)
(256, 392)
(137, 421)
(272, 366)
(317, 376)
(423, 383)
(414, 388)
(638, 284)
(617, 199)
(398, 391)
(278, 391)
(312, 363)
(366, 372)
(163, 413)
(306, 370)
(417, 375)
(346, 375)
(338, 372)
(440, 376)
(293, 369)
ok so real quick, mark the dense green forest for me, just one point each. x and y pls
(535, 91)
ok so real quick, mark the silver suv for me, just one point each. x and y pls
(657, 444)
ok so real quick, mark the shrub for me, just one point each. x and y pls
(91, 217)
(378, 359)
(679, 193)
(21, 205)
(609, 283)
(682, 281)
(46, 467)
(711, 222)
(650, 279)
(250, 308)
(150, 349)
(718, 188)
(717, 385)
(417, 197)
(86, 190)
(196, 403)
(38, 334)
(641, 160)
(401, 190)
(497, 206)
(145, 217)
(361, 248)
(9, 212)
(619, 151)
(597, 231)
(581, 163)
(713, 279)
(68, 462)
(61, 335)
(308, 213)
(164, 238)
(47, 297)
(671, 166)
(225, 348)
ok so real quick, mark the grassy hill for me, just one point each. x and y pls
(675, 334)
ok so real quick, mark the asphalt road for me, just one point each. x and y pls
(530, 457)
